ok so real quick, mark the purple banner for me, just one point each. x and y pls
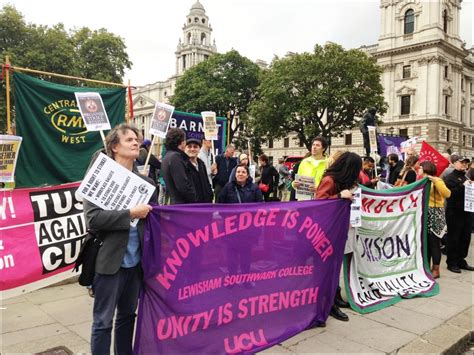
(238, 278)
(390, 144)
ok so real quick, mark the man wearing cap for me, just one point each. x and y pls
(198, 171)
(459, 221)
(176, 169)
(224, 165)
(155, 164)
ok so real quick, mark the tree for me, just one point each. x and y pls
(99, 55)
(319, 93)
(225, 83)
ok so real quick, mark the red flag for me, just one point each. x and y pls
(427, 152)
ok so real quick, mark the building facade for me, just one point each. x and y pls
(195, 46)
(427, 78)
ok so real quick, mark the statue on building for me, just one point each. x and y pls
(368, 119)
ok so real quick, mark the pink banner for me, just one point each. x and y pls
(41, 232)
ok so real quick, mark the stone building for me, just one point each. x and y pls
(427, 78)
(195, 46)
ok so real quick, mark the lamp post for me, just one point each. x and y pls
(390, 130)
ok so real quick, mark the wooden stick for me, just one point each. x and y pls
(213, 153)
(103, 138)
(7, 82)
(149, 155)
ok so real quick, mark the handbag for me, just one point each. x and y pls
(87, 257)
(263, 187)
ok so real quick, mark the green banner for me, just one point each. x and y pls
(56, 145)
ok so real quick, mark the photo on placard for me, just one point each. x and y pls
(161, 119)
(92, 111)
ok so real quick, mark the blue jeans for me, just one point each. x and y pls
(115, 292)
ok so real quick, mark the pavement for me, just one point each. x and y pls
(61, 316)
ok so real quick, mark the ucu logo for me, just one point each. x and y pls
(244, 342)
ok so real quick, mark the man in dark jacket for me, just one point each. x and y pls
(176, 169)
(154, 164)
(198, 170)
(458, 221)
(396, 167)
(224, 164)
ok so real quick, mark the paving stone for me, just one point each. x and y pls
(56, 293)
(328, 342)
(420, 346)
(23, 315)
(70, 311)
(432, 307)
(407, 320)
(302, 336)
(372, 333)
(463, 320)
(32, 334)
(12, 300)
(445, 335)
(70, 340)
(277, 349)
(82, 329)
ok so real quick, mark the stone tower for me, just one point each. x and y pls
(196, 44)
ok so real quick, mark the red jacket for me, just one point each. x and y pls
(327, 189)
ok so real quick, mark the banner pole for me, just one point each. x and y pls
(130, 103)
(250, 154)
(149, 155)
(213, 155)
(103, 138)
(7, 82)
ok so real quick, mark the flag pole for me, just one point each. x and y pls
(130, 103)
(7, 82)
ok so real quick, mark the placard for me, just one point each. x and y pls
(306, 189)
(469, 197)
(210, 125)
(372, 138)
(110, 186)
(92, 111)
(160, 121)
(9, 148)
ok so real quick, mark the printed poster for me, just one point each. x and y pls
(305, 191)
(9, 148)
(161, 119)
(210, 125)
(92, 111)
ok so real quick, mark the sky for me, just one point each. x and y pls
(258, 29)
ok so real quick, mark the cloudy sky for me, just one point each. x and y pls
(258, 29)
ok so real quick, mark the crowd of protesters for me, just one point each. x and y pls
(189, 173)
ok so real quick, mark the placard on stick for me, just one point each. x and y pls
(9, 148)
(211, 130)
(92, 110)
(161, 119)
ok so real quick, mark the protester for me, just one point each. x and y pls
(268, 178)
(198, 172)
(176, 169)
(436, 215)
(223, 166)
(241, 189)
(284, 178)
(395, 167)
(410, 152)
(458, 221)
(205, 155)
(118, 273)
(366, 176)
(293, 176)
(154, 163)
(314, 165)
(339, 181)
(408, 173)
(450, 168)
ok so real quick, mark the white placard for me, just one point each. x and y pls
(408, 143)
(306, 189)
(211, 129)
(9, 149)
(92, 111)
(356, 214)
(469, 197)
(110, 186)
(161, 118)
(372, 138)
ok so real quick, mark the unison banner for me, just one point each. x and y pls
(41, 233)
(389, 260)
(238, 278)
(56, 146)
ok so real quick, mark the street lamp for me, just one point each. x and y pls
(390, 130)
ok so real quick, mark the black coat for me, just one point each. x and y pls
(395, 172)
(269, 176)
(455, 182)
(248, 193)
(224, 168)
(201, 182)
(176, 172)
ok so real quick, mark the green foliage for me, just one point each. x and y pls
(317, 93)
(98, 55)
(224, 83)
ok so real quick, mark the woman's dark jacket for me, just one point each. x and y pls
(201, 182)
(248, 193)
(270, 177)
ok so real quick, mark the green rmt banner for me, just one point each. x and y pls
(56, 146)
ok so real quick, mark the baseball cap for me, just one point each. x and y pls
(193, 141)
(456, 157)
(147, 142)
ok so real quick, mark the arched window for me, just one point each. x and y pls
(409, 21)
(203, 38)
(445, 21)
(189, 38)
